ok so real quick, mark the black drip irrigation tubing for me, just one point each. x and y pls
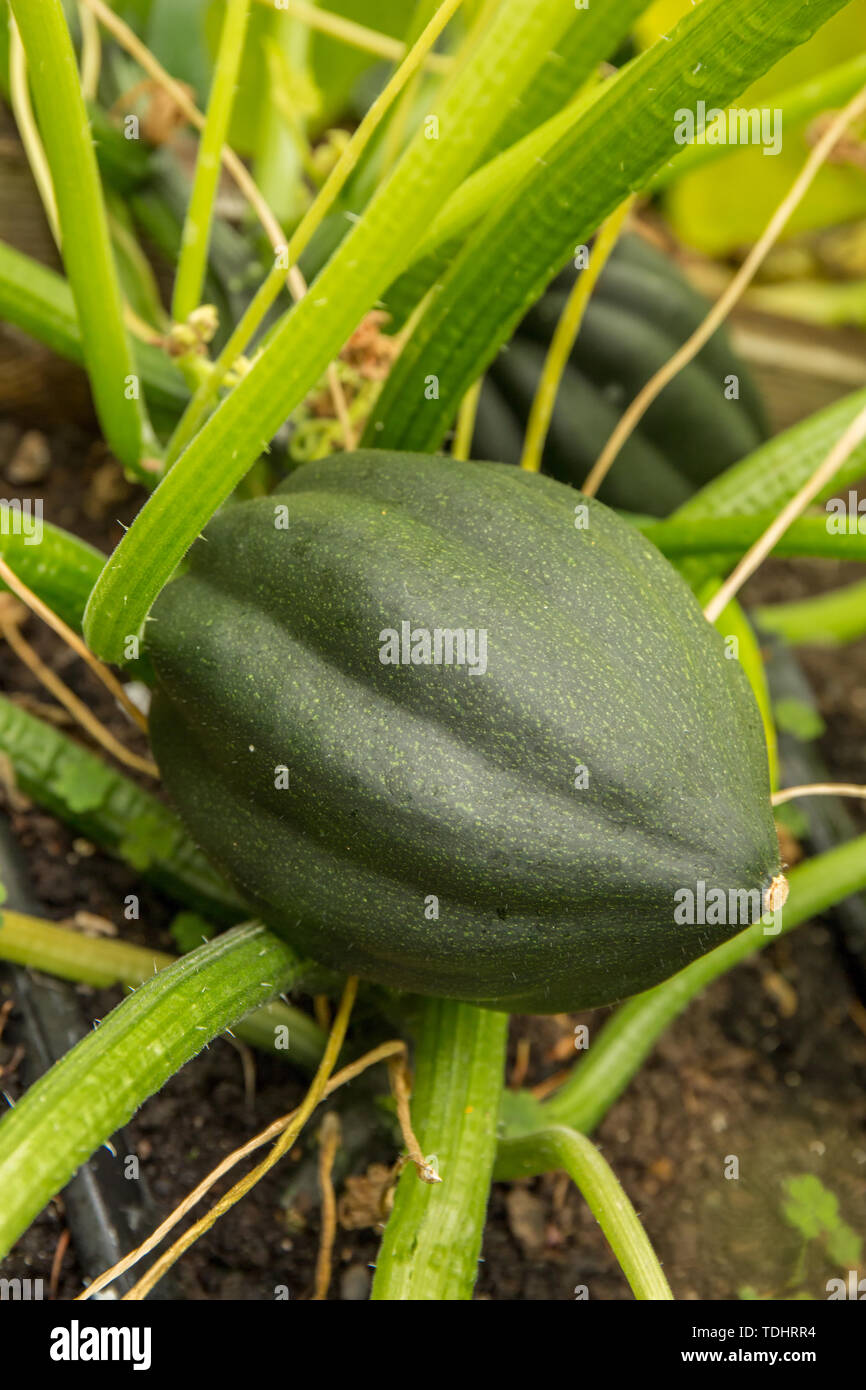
(106, 1213)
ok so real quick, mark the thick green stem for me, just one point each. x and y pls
(433, 1238)
(276, 1028)
(98, 1086)
(728, 537)
(559, 1147)
(631, 1034)
(86, 243)
(827, 619)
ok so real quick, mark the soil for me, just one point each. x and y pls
(766, 1071)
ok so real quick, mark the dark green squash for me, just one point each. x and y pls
(431, 836)
(641, 311)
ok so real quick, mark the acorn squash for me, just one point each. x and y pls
(640, 312)
(455, 728)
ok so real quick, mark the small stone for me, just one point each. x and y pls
(527, 1219)
(663, 1169)
(31, 460)
(355, 1284)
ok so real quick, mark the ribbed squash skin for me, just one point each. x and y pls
(409, 781)
(641, 311)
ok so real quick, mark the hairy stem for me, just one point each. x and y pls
(95, 1088)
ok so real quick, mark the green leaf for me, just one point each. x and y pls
(795, 717)
(844, 1247)
(813, 1210)
(619, 142)
(809, 1207)
(521, 1113)
(188, 930)
(83, 786)
(148, 839)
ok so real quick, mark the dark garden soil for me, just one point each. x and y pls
(768, 1067)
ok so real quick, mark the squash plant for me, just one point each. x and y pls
(444, 724)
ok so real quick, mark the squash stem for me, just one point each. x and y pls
(433, 1238)
(559, 1147)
